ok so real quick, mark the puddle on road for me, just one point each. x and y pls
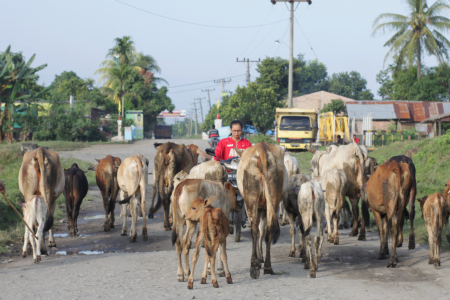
(90, 252)
(94, 217)
(66, 235)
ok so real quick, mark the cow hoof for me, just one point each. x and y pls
(269, 271)
(208, 272)
(306, 266)
(254, 272)
(260, 260)
(38, 259)
(392, 264)
(133, 239)
(52, 244)
(353, 233)
(221, 274)
(312, 273)
(400, 245)
(167, 228)
(431, 261)
(362, 237)
(190, 285)
(412, 244)
(341, 226)
(180, 278)
(303, 259)
(437, 263)
(336, 241)
(292, 254)
(124, 233)
(229, 280)
(106, 228)
(24, 254)
(215, 284)
(144, 231)
(203, 281)
(44, 252)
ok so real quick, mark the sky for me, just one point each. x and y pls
(76, 35)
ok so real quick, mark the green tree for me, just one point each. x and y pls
(336, 105)
(351, 85)
(418, 32)
(386, 89)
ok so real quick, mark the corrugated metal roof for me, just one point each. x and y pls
(380, 112)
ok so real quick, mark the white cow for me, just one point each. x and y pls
(132, 178)
(311, 203)
(334, 182)
(34, 213)
(292, 168)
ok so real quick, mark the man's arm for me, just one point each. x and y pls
(219, 151)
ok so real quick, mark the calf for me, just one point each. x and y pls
(290, 203)
(292, 168)
(434, 211)
(34, 213)
(311, 204)
(185, 194)
(388, 191)
(75, 189)
(334, 182)
(214, 229)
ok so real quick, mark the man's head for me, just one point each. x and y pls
(339, 136)
(214, 126)
(354, 136)
(236, 129)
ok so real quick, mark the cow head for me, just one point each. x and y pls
(198, 209)
(422, 202)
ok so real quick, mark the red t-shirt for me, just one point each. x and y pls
(225, 148)
(357, 141)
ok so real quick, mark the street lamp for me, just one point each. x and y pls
(291, 47)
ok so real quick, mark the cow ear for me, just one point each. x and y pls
(97, 159)
(93, 168)
(203, 154)
(239, 151)
(228, 185)
(445, 185)
(209, 201)
(116, 167)
(23, 204)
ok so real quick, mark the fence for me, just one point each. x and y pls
(383, 135)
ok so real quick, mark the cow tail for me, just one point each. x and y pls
(441, 211)
(155, 193)
(47, 196)
(207, 223)
(271, 212)
(177, 194)
(70, 193)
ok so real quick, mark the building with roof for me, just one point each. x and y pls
(405, 114)
(318, 100)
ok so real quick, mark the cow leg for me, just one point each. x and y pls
(394, 236)
(412, 214)
(123, 213)
(106, 205)
(220, 270)
(224, 259)
(437, 249)
(134, 216)
(33, 246)
(303, 247)
(69, 210)
(40, 235)
(292, 232)
(431, 243)
(262, 234)
(335, 229)
(255, 264)
(144, 224)
(377, 218)
(195, 256)
(365, 213)
(328, 218)
(447, 234)
(267, 262)
(212, 259)
(25, 242)
(280, 211)
(112, 207)
(179, 248)
(167, 226)
(205, 269)
(355, 212)
(284, 217)
(190, 229)
(51, 239)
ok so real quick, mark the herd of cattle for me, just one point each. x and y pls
(193, 189)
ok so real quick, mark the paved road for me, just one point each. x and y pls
(147, 269)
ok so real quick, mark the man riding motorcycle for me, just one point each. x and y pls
(225, 148)
(213, 135)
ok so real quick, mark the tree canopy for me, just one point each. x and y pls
(351, 85)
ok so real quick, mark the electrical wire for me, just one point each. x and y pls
(196, 24)
(306, 38)
(172, 87)
(191, 89)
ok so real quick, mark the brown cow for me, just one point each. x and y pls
(262, 180)
(447, 197)
(106, 177)
(76, 188)
(388, 191)
(214, 229)
(435, 211)
(170, 159)
(41, 174)
(196, 153)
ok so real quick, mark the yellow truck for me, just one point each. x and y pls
(295, 127)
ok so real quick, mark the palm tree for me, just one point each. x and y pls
(123, 50)
(418, 32)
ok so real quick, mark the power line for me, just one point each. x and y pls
(196, 89)
(172, 87)
(306, 38)
(196, 24)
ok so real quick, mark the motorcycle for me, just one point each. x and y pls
(214, 142)
(237, 220)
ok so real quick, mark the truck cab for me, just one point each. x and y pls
(295, 127)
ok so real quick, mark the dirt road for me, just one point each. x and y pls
(105, 265)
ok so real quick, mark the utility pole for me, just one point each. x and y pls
(248, 61)
(223, 81)
(196, 119)
(201, 107)
(291, 47)
(209, 98)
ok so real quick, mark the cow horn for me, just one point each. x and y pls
(310, 149)
(239, 151)
(97, 159)
(93, 168)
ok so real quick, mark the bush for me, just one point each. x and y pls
(254, 139)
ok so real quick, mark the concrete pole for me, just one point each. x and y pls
(291, 58)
